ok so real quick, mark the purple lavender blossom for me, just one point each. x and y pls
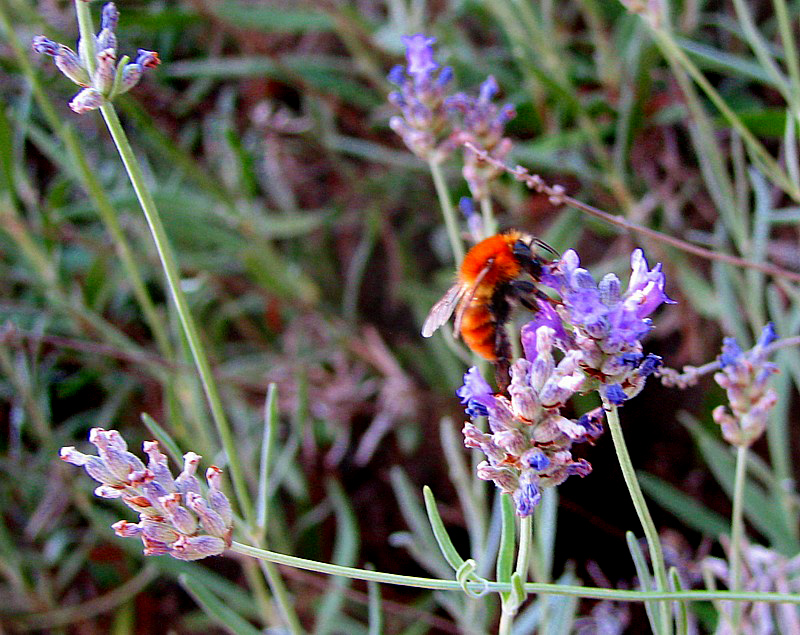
(744, 376)
(422, 122)
(419, 55)
(174, 519)
(589, 341)
(481, 122)
(108, 80)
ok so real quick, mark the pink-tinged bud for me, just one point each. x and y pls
(216, 497)
(147, 59)
(155, 548)
(110, 491)
(158, 465)
(197, 547)
(86, 100)
(503, 477)
(187, 481)
(97, 469)
(65, 58)
(103, 78)
(179, 516)
(125, 529)
(212, 522)
(71, 455)
(512, 441)
(131, 75)
(159, 531)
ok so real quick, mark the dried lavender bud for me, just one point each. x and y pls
(174, 518)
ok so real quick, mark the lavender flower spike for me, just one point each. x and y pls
(588, 341)
(174, 518)
(422, 122)
(744, 376)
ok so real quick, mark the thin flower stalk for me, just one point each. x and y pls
(163, 247)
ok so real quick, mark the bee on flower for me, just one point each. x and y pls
(589, 340)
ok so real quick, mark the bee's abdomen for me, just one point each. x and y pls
(478, 329)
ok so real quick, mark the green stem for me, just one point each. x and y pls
(449, 212)
(650, 532)
(737, 533)
(86, 47)
(498, 587)
(187, 321)
(525, 540)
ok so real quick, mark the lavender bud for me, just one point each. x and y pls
(216, 497)
(65, 59)
(197, 547)
(86, 100)
(158, 465)
(179, 516)
(106, 69)
(109, 17)
(126, 529)
(187, 481)
(212, 521)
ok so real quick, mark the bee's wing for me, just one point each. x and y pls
(443, 309)
(469, 294)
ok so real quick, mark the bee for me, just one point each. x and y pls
(489, 285)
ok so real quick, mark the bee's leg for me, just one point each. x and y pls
(526, 293)
(502, 363)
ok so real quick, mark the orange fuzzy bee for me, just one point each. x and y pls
(488, 286)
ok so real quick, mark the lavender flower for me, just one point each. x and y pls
(109, 78)
(744, 376)
(481, 122)
(174, 518)
(590, 341)
(422, 122)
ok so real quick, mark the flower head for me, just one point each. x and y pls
(482, 122)
(420, 97)
(109, 78)
(744, 376)
(174, 518)
(589, 341)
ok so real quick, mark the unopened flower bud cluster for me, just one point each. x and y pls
(590, 341)
(175, 518)
(744, 377)
(109, 78)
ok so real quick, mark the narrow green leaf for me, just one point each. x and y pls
(269, 437)
(505, 555)
(440, 533)
(215, 608)
(645, 578)
(164, 438)
(692, 513)
(711, 58)
(273, 19)
(344, 553)
(681, 608)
